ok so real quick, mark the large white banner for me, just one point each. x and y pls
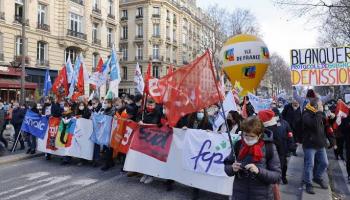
(80, 145)
(180, 165)
(259, 103)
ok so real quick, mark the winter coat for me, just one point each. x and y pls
(201, 126)
(303, 101)
(293, 117)
(259, 187)
(98, 108)
(18, 116)
(313, 130)
(56, 110)
(152, 117)
(2, 119)
(45, 107)
(109, 111)
(86, 113)
(345, 127)
(286, 136)
(278, 141)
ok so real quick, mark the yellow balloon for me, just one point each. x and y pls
(245, 59)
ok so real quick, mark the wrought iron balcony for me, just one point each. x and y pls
(95, 9)
(156, 15)
(18, 59)
(138, 58)
(96, 41)
(42, 62)
(81, 2)
(123, 18)
(111, 16)
(2, 15)
(139, 16)
(76, 34)
(44, 27)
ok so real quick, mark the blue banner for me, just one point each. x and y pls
(35, 124)
(102, 125)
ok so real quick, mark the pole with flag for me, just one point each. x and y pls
(75, 75)
(138, 79)
(114, 74)
(69, 70)
(47, 84)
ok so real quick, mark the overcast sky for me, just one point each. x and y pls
(280, 31)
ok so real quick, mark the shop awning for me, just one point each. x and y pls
(10, 71)
(15, 84)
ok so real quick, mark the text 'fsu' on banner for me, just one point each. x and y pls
(68, 139)
(191, 161)
(35, 124)
(320, 66)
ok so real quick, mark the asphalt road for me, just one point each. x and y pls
(38, 179)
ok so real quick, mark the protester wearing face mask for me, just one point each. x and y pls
(2, 124)
(83, 111)
(234, 120)
(96, 105)
(109, 110)
(31, 139)
(67, 116)
(255, 165)
(46, 110)
(18, 114)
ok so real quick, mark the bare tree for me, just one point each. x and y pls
(242, 21)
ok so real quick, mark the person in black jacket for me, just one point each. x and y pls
(292, 114)
(96, 105)
(314, 143)
(31, 139)
(82, 111)
(18, 114)
(249, 106)
(255, 164)
(344, 129)
(109, 110)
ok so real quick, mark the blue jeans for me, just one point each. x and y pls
(310, 157)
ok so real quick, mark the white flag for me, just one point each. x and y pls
(228, 104)
(138, 79)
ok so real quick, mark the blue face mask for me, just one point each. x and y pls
(200, 116)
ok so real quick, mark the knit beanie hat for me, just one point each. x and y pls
(267, 117)
(310, 94)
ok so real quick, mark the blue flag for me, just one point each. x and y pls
(69, 69)
(102, 125)
(75, 75)
(47, 84)
(115, 71)
(35, 124)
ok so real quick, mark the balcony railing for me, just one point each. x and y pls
(111, 16)
(156, 15)
(96, 41)
(157, 58)
(18, 59)
(18, 19)
(124, 38)
(124, 18)
(2, 15)
(138, 37)
(81, 2)
(156, 36)
(96, 10)
(124, 59)
(174, 61)
(138, 58)
(42, 62)
(44, 27)
(168, 38)
(185, 62)
(139, 16)
(2, 56)
(109, 44)
(168, 59)
(76, 34)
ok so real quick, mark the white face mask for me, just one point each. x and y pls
(81, 107)
(250, 142)
(90, 107)
(200, 116)
(65, 109)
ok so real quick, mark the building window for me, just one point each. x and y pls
(18, 10)
(174, 35)
(156, 30)
(139, 12)
(168, 32)
(42, 9)
(95, 33)
(110, 7)
(156, 11)
(174, 55)
(184, 38)
(124, 14)
(139, 52)
(156, 51)
(124, 51)
(139, 28)
(19, 46)
(125, 32)
(125, 73)
(168, 15)
(95, 59)
(95, 5)
(76, 23)
(72, 53)
(41, 52)
(155, 71)
(174, 19)
(109, 37)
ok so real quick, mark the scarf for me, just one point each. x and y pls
(255, 151)
(309, 107)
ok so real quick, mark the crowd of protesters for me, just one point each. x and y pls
(258, 161)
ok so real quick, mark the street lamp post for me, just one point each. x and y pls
(24, 53)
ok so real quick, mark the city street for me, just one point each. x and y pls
(38, 179)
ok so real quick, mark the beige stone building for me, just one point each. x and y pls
(162, 32)
(55, 30)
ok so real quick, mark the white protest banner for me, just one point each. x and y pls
(98, 79)
(259, 103)
(320, 66)
(78, 143)
(175, 168)
(229, 104)
(347, 98)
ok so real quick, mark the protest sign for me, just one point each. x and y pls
(35, 124)
(80, 145)
(102, 125)
(229, 104)
(153, 141)
(320, 66)
(213, 180)
(259, 103)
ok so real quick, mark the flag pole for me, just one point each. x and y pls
(216, 78)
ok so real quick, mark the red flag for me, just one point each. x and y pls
(341, 112)
(170, 70)
(147, 78)
(98, 69)
(79, 87)
(188, 89)
(60, 86)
